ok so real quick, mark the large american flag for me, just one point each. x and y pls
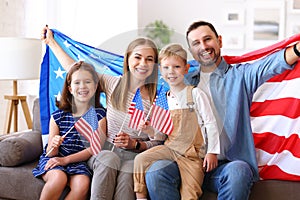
(275, 118)
(276, 140)
(136, 110)
(161, 117)
(276, 126)
(87, 125)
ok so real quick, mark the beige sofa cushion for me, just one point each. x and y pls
(19, 148)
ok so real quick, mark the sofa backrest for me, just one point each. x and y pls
(36, 121)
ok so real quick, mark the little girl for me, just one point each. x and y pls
(67, 150)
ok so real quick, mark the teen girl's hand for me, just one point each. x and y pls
(123, 140)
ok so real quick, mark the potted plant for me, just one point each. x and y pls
(159, 32)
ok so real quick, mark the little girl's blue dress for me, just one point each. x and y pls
(73, 143)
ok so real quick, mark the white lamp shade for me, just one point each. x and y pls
(20, 58)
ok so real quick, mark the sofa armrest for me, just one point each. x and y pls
(21, 147)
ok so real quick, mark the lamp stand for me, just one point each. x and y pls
(13, 109)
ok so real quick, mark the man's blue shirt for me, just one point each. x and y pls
(232, 89)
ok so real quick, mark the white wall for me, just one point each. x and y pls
(111, 24)
(93, 22)
(17, 21)
(179, 14)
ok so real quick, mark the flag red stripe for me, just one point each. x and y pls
(168, 123)
(96, 142)
(287, 75)
(272, 143)
(289, 107)
(157, 116)
(93, 137)
(84, 128)
(135, 118)
(131, 108)
(256, 54)
(162, 120)
(274, 172)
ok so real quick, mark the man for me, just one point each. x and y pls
(230, 89)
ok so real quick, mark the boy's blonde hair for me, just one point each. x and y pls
(173, 50)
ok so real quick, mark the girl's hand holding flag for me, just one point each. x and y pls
(56, 141)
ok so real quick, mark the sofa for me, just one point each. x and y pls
(19, 153)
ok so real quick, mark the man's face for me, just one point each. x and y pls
(205, 46)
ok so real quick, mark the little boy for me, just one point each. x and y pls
(193, 121)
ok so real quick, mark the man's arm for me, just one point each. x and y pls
(291, 54)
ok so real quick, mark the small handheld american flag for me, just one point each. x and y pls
(161, 117)
(136, 110)
(87, 125)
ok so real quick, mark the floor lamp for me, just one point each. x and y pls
(20, 59)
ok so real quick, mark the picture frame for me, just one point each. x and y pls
(234, 16)
(265, 23)
(294, 6)
(233, 41)
(295, 28)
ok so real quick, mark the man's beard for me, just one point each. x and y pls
(208, 62)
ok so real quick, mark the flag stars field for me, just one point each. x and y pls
(59, 73)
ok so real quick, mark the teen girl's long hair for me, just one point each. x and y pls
(120, 94)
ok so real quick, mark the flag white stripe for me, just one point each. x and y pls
(167, 123)
(156, 115)
(159, 117)
(84, 128)
(137, 115)
(277, 90)
(284, 160)
(162, 120)
(96, 142)
(276, 124)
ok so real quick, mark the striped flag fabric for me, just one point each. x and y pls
(136, 110)
(161, 117)
(87, 125)
(275, 123)
(275, 118)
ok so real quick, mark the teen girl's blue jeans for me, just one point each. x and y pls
(231, 180)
